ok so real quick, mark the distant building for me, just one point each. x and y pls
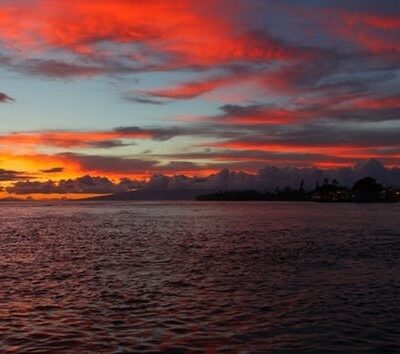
(341, 195)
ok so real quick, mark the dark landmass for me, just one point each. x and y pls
(147, 194)
(11, 199)
(364, 190)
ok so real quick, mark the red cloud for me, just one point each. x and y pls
(385, 22)
(190, 33)
(349, 152)
(376, 32)
(378, 103)
(191, 89)
(269, 116)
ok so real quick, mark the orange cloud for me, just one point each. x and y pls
(68, 139)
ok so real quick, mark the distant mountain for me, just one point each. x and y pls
(147, 194)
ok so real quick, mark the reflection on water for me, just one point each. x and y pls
(199, 277)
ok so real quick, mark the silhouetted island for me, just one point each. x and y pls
(364, 190)
(149, 195)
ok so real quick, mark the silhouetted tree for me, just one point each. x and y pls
(367, 190)
(301, 189)
(367, 184)
(364, 190)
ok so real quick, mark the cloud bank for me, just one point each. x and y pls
(267, 179)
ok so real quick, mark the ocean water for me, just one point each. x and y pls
(199, 277)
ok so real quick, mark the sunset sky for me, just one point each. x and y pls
(132, 88)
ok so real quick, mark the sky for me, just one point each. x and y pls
(129, 89)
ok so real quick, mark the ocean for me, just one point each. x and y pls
(188, 277)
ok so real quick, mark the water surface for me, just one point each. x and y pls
(199, 277)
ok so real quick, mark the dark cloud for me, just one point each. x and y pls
(129, 165)
(78, 66)
(337, 108)
(58, 69)
(328, 134)
(162, 134)
(110, 163)
(231, 110)
(143, 100)
(363, 115)
(5, 98)
(118, 137)
(53, 170)
(159, 134)
(174, 166)
(109, 144)
(237, 158)
(272, 177)
(389, 7)
(82, 185)
(10, 175)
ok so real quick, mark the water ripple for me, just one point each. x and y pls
(199, 277)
